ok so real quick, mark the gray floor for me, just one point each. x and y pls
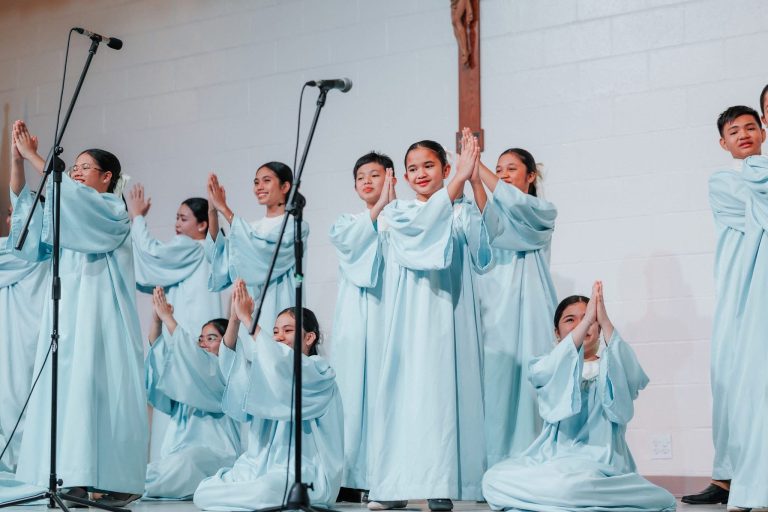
(459, 506)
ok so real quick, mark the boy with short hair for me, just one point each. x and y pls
(741, 134)
(358, 326)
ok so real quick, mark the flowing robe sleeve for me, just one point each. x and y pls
(478, 231)
(91, 222)
(270, 387)
(557, 379)
(34, 249)
(527, 222)
(12, 268)
(250, 252)
(217, 254)
(358, 248)
(162, 264)
(420, 234)
(181, 371)
(621, 379)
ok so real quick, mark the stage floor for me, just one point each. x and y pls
(459, 506)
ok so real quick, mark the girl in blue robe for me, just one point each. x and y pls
(359, 324)
(179, 265)
(22, 291)
(427, 436)
(259, 374)
(517, 299)
(748, 409)
(102, 415)
(185, 382)
(581, 461)
(246, 251)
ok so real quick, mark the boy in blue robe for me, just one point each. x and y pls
(741, 135)
(358, 326)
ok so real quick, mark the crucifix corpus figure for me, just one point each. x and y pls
(465, 18)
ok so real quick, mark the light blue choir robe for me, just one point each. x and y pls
(259, 377)
(358, 334)
(427, 439)
(22, 290)
(748, 408)
(185, 382)
(580, 461)
(102, 414)
(246, 253)
(517, 299)
(181, 268)
(727, 197)
(23, 287)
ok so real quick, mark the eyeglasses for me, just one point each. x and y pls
(85, 168)
(206, 340)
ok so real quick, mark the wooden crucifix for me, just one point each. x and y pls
(465, 17)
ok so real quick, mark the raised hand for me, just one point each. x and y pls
(25, 143)
(163, 309)
(137, 204)
(242, 302)
(590, 315)
(387, 194)
(470, 154)
(602, 315)
(217, 198)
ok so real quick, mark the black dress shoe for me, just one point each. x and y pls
(709, 496)
(440, 505)
(352, 495)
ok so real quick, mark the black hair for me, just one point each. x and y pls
(762, 98)
(309, 323)
(430, 145)
(107, 162)
(731, 113)
(373, 157)
(199, 207)
(220, 324)
(573, 299)
(530, 165)
(282, 171)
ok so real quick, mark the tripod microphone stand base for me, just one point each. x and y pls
(298, 500)
(57, 498)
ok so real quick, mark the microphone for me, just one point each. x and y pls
(112, 42)
(342, 84)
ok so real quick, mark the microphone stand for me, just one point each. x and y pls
(298, 497)
(54, 165)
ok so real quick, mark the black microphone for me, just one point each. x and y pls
(342, 84)
(112, 42)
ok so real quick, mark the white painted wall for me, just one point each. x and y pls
(617, 97)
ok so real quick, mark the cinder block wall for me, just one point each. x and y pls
(617, 98)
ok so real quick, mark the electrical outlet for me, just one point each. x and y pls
(661, 446)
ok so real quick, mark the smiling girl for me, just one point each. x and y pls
(102, 423)
(247, 250)
(517, 300)
(259, 376)
(428, 411)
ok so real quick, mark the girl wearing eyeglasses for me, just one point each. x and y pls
(102, 415)
(185, 382)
